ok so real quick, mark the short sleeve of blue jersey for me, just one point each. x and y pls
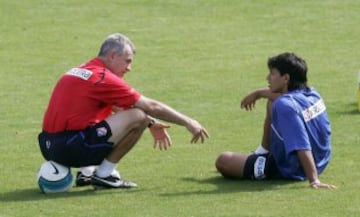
(290, 125)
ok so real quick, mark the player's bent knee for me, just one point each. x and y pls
(139, 117)
(130, 119)
(230, 164)
(223, 161)
(123, 122)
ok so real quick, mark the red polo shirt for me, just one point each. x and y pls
(84, 96)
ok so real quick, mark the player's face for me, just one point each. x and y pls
(277, 82)
(122, 63)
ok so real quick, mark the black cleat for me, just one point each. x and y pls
(110, 182)
(82, 180)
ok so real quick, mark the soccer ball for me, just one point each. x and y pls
(54, 178)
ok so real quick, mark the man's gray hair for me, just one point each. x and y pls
(116, 41)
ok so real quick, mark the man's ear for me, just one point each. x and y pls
(111, 55)
(286, 78)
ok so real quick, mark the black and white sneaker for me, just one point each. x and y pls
(82, 180)
(111, 181)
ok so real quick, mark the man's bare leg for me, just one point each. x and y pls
(126, 127)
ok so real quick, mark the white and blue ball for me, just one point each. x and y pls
(54, 178)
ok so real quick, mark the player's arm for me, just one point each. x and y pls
(248, 102)
(307, 162)
(164, 112)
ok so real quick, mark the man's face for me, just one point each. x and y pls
(120, 64)
(277, 82)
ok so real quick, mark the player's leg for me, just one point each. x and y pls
(231, 165)
(247, 166)
(126, 127)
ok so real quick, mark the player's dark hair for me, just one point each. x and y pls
(294, 66)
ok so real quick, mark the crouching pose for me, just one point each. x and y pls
(296, 140)
(94, 117)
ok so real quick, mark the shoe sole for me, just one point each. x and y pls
(124, 185)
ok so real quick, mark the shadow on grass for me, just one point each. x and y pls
(224, 186)
(34, 194)
(350, 109)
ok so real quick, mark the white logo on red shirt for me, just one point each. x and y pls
(81, 73)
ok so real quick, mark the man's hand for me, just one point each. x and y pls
(317, 184)
(248, 102)
(198, 132)
(161, 137)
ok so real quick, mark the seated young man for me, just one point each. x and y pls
(296, 142)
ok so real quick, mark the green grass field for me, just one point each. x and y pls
(201, 57)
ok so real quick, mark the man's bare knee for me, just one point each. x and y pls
(128, 119)
(123, 122)
(222, 161)
(139, 117)
(230, 164)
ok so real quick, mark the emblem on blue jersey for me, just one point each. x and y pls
(314, 110)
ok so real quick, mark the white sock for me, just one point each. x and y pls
(87, 171)
(105, 168)
(261, 150)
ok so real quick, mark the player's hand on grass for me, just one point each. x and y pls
(198, 132)
(161, 136)
(319, 184)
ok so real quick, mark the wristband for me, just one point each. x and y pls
(151, 123)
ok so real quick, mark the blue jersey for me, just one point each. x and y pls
(299, 122)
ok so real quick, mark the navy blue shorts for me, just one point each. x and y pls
(260, 167)
(77, 148)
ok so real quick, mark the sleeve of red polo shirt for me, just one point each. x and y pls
(115, 91)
